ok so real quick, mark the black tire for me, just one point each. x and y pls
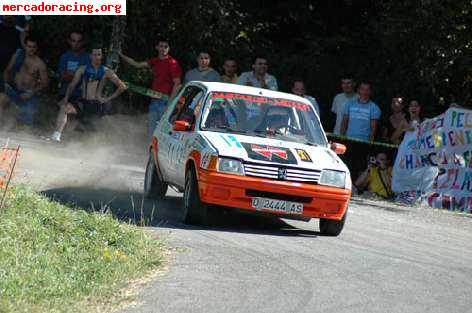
(195, 211)
(332, 227)
(154, 187)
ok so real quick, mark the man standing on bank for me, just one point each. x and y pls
(166, 79)
(203, 72)
(25, 77)
(361, 115)
(92, 78)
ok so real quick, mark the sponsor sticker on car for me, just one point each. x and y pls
(303, 155)
(263, 152)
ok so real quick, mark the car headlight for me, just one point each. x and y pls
(333, 178)
(231, 166)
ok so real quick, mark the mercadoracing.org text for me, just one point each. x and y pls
(63, 7)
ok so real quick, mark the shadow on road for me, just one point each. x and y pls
(128, 205)
(383, 205)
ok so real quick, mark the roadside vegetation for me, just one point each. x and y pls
(57, 259)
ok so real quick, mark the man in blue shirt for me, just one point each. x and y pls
(93, 78)
(361, 115)
(70, 61)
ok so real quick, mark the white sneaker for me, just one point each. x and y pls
(56, 136)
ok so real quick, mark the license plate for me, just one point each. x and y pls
(265, 204)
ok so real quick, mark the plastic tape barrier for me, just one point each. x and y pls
(370, 143)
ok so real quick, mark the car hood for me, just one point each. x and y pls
(274, 151)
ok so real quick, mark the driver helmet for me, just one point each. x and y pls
(217, 117)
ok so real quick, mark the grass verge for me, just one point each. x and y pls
(56, 259)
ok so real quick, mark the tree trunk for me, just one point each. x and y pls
(117, 36)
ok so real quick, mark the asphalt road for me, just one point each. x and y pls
(388, 259)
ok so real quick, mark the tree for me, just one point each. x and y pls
(419, 49)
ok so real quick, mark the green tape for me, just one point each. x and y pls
(146, 91)
(159, 95)
(131, 87)
(371, 143)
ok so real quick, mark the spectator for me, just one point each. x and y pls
(298, 88)
(377, 178)
(25, 76)
(414, 112)
(347, 86)
(22, 22)
(70, 61)
(10, 42)
(230, 68)
(361, 115)
(166, 79)
(259, 77)
(203, 72)
(92, 77)
(394, 122)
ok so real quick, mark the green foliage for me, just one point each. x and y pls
(54, 259)
(418, 49)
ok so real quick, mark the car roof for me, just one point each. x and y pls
(249, 90)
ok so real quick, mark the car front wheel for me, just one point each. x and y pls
(154, 187)
(195, 211)
(332, 227)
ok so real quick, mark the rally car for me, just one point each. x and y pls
(231, 146)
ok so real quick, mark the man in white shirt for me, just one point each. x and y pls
(259, 77)
(347, 86)
(298, 88)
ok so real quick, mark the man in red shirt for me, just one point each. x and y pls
(166, 80)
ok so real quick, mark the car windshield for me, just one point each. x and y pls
(262, 116)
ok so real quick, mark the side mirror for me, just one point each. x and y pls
(181, 126)
(338, 148)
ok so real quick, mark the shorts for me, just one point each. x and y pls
(27, 107)
(88, 108)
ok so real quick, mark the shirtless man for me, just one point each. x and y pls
(92, 78)
(24, 77)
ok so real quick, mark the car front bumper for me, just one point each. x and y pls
(237, 192)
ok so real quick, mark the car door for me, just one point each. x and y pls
(165, 132)
(180, 141)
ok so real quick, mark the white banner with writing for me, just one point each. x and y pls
(434, 162)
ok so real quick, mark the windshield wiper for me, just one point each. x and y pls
(227, 129)
(260, 133)
(271, 132)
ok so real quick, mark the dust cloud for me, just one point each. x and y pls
(109, 153)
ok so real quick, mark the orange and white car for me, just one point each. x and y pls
(248, 148)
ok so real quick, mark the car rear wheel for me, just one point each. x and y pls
(195, 211)
(154, 187)
(332, 227)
